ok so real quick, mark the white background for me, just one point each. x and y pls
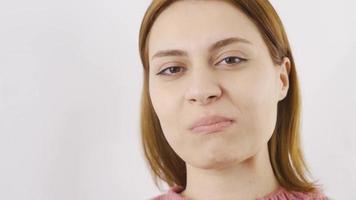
(70, 85)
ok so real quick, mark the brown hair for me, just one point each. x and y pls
(285, 153)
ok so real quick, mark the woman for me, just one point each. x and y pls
(220, 106)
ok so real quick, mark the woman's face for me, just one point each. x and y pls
(221, 66)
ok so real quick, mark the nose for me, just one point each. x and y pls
(204, 88)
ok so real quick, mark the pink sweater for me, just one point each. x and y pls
(280, 194)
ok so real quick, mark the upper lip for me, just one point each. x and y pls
(205, 121)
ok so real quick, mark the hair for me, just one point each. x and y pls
(286, 156)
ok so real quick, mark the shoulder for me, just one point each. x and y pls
(172, 194)
(280, 194)
(283, 194)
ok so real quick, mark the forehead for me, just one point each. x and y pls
(194, 25)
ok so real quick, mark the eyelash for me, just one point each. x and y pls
(175, 67)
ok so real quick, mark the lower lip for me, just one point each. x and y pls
(217, 127)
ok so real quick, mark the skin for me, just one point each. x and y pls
(234, 163)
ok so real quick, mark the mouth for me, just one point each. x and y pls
(211, 124)
(212, 128)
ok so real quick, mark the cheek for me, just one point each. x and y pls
(166, 106)
(262, 105)
(255, 95)
(258, 86)
(167, 102)
(159, 98)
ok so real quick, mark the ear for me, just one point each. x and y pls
(284, 70)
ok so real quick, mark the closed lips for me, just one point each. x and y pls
(210, 120)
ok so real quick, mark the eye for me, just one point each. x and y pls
(170, 71)
(232, 60)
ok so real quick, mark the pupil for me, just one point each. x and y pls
(230, 60)
(174, 69)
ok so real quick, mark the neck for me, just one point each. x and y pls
(250, 179)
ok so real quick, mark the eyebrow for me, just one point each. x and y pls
(213, 47)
